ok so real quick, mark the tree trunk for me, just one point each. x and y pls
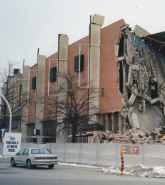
(74, 133)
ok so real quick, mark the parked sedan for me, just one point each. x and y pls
(32, 157)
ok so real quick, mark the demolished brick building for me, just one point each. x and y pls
(127, 67)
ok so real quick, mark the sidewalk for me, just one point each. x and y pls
(4, 159)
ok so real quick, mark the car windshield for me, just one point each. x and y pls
(40, 151)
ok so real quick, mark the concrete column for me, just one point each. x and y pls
(103, 120)
(63, 41)
(63, 57)
(16, 94)
(108, 122)
(25, 96)
(94, 60)
(114, 122)
(16, 87)
(120, 122)
(40, 92)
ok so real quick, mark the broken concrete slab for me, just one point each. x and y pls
(134, 136)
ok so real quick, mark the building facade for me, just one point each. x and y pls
(98, 49)
(113, 60)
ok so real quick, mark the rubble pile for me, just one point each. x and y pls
(134, 136)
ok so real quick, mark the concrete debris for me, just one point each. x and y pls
(133, 136)
(141, 78)
(137, 170)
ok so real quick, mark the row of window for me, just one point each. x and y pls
(53, 70)
(52, 77)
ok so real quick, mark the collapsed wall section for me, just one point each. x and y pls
(141, 80)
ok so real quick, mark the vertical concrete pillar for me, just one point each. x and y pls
(114, 122)
(63, 41)
(63, 57)
(16, 93)
(40, 92)
(103, 121)
(25, 96)
(16, 87)
(120, 122)
(108, 122)
(94, 60)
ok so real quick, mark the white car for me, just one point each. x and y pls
(32, 157)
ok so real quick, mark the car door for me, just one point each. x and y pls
(18, 156)
(24, 156)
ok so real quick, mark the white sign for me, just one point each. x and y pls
(11, 143)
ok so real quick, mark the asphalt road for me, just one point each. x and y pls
(67, 175)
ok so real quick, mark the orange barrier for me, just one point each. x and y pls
(122, 161)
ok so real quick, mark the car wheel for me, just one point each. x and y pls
(29, 165)
(51, 166)
(13, 162)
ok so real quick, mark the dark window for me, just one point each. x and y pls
(20, 90)
(16, 71)
(40, 151)
(76, 63)
(49, 128)
(121, 77)
(102, 92)
(121, 47)
(52, 74)
(21, 151)
(30, 129)
(26, 152)
(154, 90)
(34, 83)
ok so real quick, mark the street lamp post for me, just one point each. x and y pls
(8, 108)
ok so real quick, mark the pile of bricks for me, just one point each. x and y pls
(135, 136)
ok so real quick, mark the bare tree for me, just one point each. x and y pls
(11, 88)
(69, 105)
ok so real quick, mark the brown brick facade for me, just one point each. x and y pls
(111, 101)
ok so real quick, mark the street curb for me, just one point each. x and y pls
(5, 160)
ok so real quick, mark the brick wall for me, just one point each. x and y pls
(50, 88)
(73, 51)
(111, 101)
(31, 117)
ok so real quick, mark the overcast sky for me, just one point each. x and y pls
(26, 25)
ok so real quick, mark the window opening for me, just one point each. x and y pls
(121, 77)
(20, 92)
(117, 122)
(76, 63)
(121, 47)
(154, 90)
(102, 92)
(16, 71)
(31, 129)
(34, 83)
(111, 118)
(52, 74)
